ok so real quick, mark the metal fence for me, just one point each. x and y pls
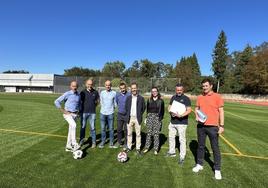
(165, 85)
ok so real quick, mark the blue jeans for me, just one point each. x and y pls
(91, 118)
(109, 120)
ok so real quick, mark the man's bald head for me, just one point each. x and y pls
(89, 84)
(108, 85)
(74, 85)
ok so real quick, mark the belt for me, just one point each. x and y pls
(72, 112)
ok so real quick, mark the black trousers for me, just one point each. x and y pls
(121, 128)
(212, 133)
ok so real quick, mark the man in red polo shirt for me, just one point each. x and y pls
(211, 105)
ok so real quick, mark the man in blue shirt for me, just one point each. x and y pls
(89, 102)
(121, 115)
(108, 104)
(71, 108)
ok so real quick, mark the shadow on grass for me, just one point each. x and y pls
(193, 147)
(88, 143)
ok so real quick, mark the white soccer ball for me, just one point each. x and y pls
(122, 157)
(77, 154)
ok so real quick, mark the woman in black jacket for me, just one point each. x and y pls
(155, 114)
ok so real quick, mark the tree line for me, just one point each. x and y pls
(242, 72)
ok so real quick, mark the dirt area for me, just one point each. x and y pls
(258, 103)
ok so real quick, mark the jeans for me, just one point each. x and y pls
(212, 133)
(91, 118)
(109, 120)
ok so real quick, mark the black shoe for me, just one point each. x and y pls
(126, 150)
(181, 161)
(82, 142)
(138, 152)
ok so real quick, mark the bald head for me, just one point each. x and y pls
(108, 85)
(89, 84)
(74, 86)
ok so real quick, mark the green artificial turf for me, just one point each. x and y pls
(29, 159)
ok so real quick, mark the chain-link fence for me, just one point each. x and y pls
(165, 85)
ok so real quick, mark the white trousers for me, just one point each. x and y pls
(71, 139)
(181, 129)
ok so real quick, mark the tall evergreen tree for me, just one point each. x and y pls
(220, 54)
(188, 72)
(196, 74)
(195, 65)
(241, 66)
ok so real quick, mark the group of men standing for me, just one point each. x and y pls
(131, 107)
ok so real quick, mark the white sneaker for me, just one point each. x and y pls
(68, 148)
(76, 147)
(113, 146)
(218, 175)
(197, 168)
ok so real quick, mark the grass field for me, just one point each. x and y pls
(33, 136)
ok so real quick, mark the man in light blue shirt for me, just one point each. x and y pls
(108, 104)
(71, 108)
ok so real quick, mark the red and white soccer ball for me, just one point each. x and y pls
(122, 157)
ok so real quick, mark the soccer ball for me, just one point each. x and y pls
(77, 154)
(122, 157)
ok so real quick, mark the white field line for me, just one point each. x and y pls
(241, 117)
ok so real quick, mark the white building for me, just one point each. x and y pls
(42, 83)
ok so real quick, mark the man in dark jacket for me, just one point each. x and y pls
(89, 102)
(135, 107)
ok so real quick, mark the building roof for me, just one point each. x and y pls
(28, 80)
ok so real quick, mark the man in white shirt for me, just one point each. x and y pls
(135, 107)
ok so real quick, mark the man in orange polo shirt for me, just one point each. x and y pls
(211, 104)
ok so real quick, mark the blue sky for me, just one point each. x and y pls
(48, 36)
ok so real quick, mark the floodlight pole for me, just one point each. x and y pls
(218, 86)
